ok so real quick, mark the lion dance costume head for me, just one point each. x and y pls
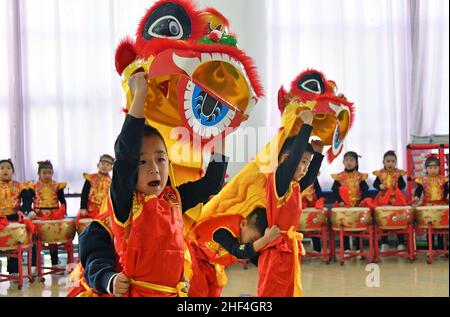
(333, 113)
(333, 117)
(198, 78)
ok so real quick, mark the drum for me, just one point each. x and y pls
(55, 231)
(352, 219)
(12, 235)
(436, 215)
(83, 223)
(312, 219)
(393, 217)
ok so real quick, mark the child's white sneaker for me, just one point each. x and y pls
(14, 281)
(384, 247)
(401, 247)
(359, 257)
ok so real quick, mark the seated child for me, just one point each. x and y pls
(389, 182)
(49, 202)
(96, 188)
(434, 189)
(12, 194)
(350, 188)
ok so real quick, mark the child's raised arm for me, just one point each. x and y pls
(314, 167)
(286, 170)
(200, 191)
(127, 150)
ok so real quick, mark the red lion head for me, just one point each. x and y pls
(198, 78)
(333, 113)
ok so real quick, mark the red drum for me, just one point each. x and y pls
(436, 215)
(12, 235)
(393, 217)
(55, 231)
(312, 219)
(352, 219)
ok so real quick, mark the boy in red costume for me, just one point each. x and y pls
(12, 193)
(279, 262)
(49, 202)
(96, 188)
(219, 241)
(143, 216)
(434, 189)
(350, 188)
(389, 182)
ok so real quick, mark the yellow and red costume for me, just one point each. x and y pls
(390, 180)
(433, 189)
(150, 244)
(10, 197)
(349, 189)
(98, 191)
(149, 247)
(11, 194)
(209, 258)
(279, 262)
(45, 201)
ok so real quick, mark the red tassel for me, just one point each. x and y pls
(57, 215)
(3, 222)
(320, 203)
(367, 202)
(344, 193)
(400, 199)
(386, 198)
(29, 224)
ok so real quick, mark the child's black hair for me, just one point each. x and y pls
(258, 220)
(390, 153)
(151, 131)
(44, 165)
(108, 158)
(432, 159)
(355, 156)
(287, 146)
(8, 161)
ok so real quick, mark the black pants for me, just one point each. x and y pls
(356, 242)
(316, 244)
(400, 238)
(53, 255)
(440, 241)
(11, 263)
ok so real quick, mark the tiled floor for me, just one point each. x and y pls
(397, 278)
